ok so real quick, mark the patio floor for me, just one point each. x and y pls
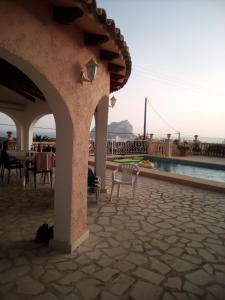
(167, 244)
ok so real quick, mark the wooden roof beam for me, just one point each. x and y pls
(8, 69)
(34, 92)
(108, 55)
(115, 68)
(27, 84)
(91, 39)
(18, 91)
(116, 77)
(114, 83)
(66, 14)
(17, 75)
(10, 76)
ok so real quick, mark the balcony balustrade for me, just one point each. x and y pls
(138, 147)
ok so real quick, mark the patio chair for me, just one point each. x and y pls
(94, 183)
(43, 163)
(125, 174)
(10, 163)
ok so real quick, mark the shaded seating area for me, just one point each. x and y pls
(42, 163)
(125, 174)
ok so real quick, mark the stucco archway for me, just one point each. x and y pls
(64, 125)
(71, 190)
(54, 65)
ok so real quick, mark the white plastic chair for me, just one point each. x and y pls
(125, 174)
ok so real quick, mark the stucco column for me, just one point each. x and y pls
(20, 121)
(19, 137)
(101, 120)
(168, 146)
(26, 136)
(151, 145)
(70, 205)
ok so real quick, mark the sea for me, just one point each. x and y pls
(52, 134)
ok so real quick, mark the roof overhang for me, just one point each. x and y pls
(99, 32)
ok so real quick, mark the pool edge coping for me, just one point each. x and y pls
(175, 178)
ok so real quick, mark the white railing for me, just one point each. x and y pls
(209, 149)
(43, 146)
(113, 147)
(120, 148)
(157, 148)
(139, 147)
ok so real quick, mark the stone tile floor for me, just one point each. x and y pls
(167, 244)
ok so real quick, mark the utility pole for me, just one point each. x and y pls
(144, 135)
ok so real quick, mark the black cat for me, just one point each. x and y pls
(44, 233)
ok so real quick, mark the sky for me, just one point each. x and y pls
(178, 62)
(177, 49)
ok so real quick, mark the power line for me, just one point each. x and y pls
(139, 70)
(176, 80)
(162, 118)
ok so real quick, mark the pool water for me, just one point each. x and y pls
(199, 171)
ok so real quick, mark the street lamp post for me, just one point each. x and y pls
(145, 112)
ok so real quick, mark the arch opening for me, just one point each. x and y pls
(27, 115)
(8, 128)
(44, 133)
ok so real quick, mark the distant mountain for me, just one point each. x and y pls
(121, 130)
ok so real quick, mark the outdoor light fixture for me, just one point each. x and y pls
(91, 70)
(112, 101)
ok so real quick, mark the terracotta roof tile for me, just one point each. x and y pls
(101, 15)
(115, 33)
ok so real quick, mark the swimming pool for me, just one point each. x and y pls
(190, 168)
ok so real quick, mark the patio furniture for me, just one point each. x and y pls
(125, 174)
(43, 163)
(10, 163)
(94, 183)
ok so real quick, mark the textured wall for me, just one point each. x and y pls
(52, 56)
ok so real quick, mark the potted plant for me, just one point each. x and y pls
(184, 148)
(10, 135)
